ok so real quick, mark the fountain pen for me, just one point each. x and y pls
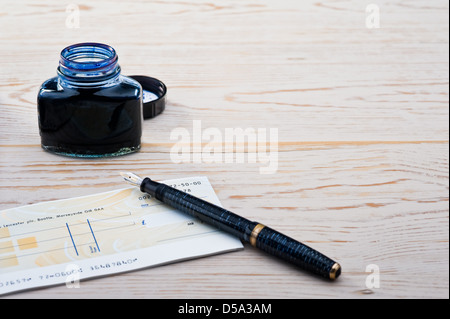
(258, 235)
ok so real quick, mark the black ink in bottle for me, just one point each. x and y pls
(90, 109)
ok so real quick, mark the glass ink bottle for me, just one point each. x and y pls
(89, 109)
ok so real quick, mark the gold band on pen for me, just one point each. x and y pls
(255, 233)
(335, 271)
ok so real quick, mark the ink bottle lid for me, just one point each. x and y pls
(153, 95)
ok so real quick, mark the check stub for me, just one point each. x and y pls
(73, 239)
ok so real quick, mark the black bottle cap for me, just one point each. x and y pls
(153, 95)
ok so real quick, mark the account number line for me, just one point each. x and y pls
(74, 235)
(60, 227)
(42, 252)
(95, 239)
(73, 242)
(62, 237)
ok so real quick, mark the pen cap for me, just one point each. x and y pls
(153, 95)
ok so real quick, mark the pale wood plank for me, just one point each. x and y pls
(363, 126)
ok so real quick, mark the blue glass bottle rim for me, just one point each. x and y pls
(88, 61)
(88, 56)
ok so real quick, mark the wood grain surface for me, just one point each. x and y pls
(362, 119)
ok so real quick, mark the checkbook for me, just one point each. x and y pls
(65, 241)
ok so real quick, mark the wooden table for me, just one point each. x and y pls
(362, 119)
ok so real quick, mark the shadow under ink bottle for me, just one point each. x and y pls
(89, 109)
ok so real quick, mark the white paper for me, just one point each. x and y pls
(73, 239)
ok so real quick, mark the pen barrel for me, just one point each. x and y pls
(260, 236)
(292, 251)
(201, 209)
